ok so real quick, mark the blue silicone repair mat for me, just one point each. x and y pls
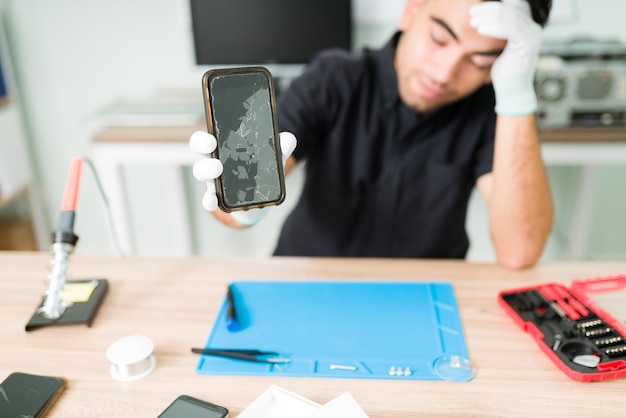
(383, 330)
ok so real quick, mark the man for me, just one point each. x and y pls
(395, 139)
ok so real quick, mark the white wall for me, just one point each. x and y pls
(14, 171)
(73, 57)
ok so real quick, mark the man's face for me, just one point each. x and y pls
(440, 58)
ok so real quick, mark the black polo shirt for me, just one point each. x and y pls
(381, 179)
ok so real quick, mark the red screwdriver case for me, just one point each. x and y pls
(581, 328)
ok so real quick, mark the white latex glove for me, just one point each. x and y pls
(513, 72)
(208, 169)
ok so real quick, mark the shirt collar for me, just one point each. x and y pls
(388, 79)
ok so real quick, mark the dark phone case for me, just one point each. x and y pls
(271, 193)
(212, 408)
(566, 323)
(29, 395)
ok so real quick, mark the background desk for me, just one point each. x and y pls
(174, 302)
(165, 146)
(587, 148)
(117, 147)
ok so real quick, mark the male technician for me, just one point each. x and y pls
(395, 139)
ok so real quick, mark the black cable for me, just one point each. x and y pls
(107, 208)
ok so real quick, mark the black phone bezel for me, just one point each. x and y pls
(197, 402)
(210, 121)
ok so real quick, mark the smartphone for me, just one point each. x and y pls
(29, 395)
(240, 107)
(190, 407)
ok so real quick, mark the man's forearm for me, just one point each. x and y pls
(520, 203)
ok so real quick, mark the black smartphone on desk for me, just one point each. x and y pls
(186, 406)
(240, 109)
(28, 395)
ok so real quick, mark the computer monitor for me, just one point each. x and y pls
(267, 32)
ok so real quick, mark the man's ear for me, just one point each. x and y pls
(410, 9)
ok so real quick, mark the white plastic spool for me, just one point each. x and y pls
(131, 358)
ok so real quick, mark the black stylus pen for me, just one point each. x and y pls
(232, 323)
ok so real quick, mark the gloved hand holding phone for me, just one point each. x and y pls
(208, 169)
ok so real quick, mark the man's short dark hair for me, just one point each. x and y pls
(540, 10)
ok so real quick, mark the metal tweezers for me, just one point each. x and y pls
(256, 356)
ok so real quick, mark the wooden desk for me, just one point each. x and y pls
(174, 302)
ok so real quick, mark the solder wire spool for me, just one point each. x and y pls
(131, 358)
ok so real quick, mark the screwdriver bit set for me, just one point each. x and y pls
(581, 337)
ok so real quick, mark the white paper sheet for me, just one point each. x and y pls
(277, 402)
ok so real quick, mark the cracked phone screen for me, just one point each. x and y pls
(244, 127)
